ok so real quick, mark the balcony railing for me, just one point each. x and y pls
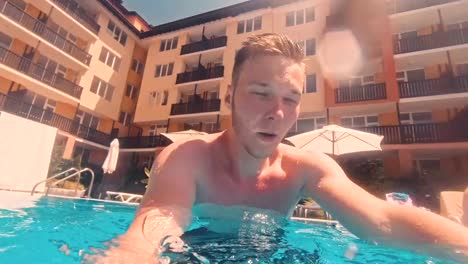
(196, 107)
(204, 45)
(431, 87)
(73, 9)
(422, 133)
(38, 72)
(433, 41)
(143, 142)
(208, 128)
(41, 29)
(26, 110)
(200, 75)
(398, 6)
(360, 93)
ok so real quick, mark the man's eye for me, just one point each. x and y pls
(260, 94)
(291, 100)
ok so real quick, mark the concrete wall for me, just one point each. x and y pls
(25, 159)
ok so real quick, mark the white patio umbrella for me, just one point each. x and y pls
(337, 140)
(183, 135)
(110, 163)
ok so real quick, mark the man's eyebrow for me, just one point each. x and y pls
(264, 84)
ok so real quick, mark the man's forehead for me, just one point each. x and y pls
(269, 67)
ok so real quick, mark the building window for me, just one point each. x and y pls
(102, 88)
(125, 118)
(308, 46)
(462, 69)
(428, 168)
(360, 121)
(50, 66)
(169, 44)
(369, 79)
(308, 124)
(415, 75)
(137, 66)
(416, 118)
(164, 70)
(249, 25)
(131, 92)
(157, 129)
(117, 33)
(20, 4)
(165, 97)
(109, 59)
(158, 98)
(299, 17)
(310, 84)
(86, 119)
(5, 41)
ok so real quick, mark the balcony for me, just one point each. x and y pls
(432, 87)
(422, 133)
(73, 9)
(399, 6)
(27, 67)
(360, 93)
(207, 128)
(204, 45)
(17, 107)
(435, 40)
(204, 106)
(39, 28)
(144, 142)
(200, 75)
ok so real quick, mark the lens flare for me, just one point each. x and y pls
(340, 54)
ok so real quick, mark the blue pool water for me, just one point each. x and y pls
(56, 230)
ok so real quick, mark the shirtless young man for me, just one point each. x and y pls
(247, 165)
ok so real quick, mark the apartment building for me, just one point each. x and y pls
(75, 65)
(98, 71)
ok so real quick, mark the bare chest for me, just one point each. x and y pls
(274, 191)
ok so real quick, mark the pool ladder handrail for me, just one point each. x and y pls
(77, 172)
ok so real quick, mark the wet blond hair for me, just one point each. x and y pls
(266, 44)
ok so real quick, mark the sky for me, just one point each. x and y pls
(158, 12)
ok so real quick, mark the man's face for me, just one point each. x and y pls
(265, 102)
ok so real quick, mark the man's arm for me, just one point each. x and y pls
(374, 219)
(165, 209)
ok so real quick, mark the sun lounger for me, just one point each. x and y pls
(124, 197)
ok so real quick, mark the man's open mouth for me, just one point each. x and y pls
(267, 136)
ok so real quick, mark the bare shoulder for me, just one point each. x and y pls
(185, 152)
(175, 172)
(313, 165)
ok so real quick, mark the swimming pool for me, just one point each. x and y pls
(56, 230)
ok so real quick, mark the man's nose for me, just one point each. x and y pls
(276, 110)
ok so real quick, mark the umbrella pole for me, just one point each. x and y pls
(333, 143)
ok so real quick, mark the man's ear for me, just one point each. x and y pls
(228, 97)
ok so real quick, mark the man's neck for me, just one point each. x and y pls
(242, 164)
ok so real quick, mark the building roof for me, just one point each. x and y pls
(119, 11)
(217, 14)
